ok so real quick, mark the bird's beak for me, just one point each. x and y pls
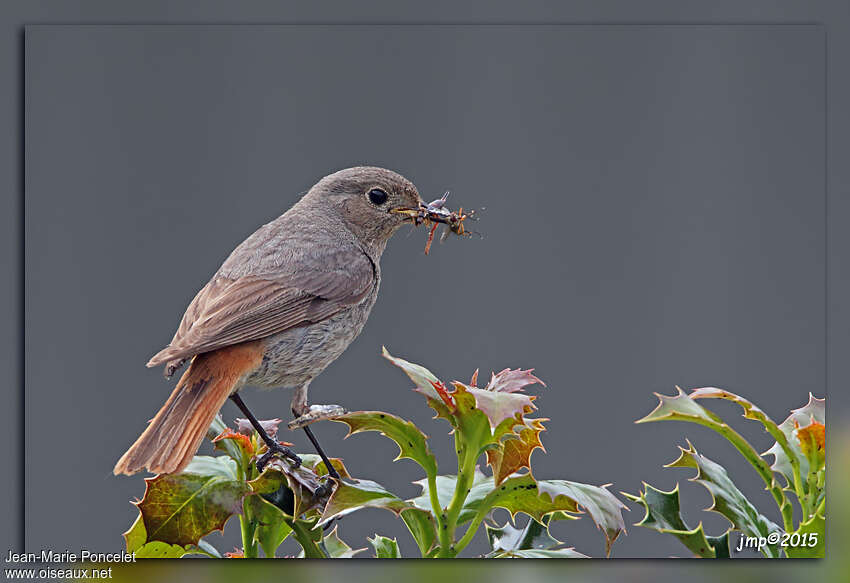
(410, 214)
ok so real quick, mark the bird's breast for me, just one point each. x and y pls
(298, 355)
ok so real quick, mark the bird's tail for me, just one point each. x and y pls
(173, 437)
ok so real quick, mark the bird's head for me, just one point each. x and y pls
(371, 202)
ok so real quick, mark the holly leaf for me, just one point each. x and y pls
(728, 500)
(231, 448)
(679, 407)
(515, 449)
(751, 411)
(471, 423)
(814, 410)
(539, 499)
(314, 463)
(533, 541)
(239, 440)
(411, 441)
(385, 548)
(136, 537)
(352, 495)
(780, 433)
(519, 493)
(604, 508)
(423, 378)
(336, 548)
(534, 535)
(181, 508)
(813, 532)
(499, 399)
(500, 406)
(682, 407)
(292, 489)
(272, 528)
(510, 381)
(663, 514)
(421, 525)
(568, 553)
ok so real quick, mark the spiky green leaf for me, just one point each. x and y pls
(181, 508)
(385, 548)
(336, 548)
(602, 506)
(813, 532)
(136, 537)
(411, 441)
(294, 490)
(682, 407)
(568, 553)
(728, 500)
(421, 525)
(352, 495)
(534, 535)
(663, 514)
(815, 410)
(423, 378)
(271, 524)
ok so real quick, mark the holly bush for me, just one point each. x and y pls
(492, 423)
(798, 473)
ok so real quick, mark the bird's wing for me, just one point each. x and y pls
(231, 310)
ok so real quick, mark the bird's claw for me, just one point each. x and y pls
(274, 450)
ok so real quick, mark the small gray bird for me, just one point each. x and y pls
(285, 304)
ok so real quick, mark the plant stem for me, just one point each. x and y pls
(821, 509)
(466, 468)
(473, 528)
(812, 496)
(247, 523)
(439, 514)
(302, 535)
(249, 547)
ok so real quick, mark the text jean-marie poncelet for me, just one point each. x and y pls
(53, 556)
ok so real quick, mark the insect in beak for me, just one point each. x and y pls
(434, 214)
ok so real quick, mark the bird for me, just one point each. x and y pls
(283, 306)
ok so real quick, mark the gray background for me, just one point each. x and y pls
(655, 216)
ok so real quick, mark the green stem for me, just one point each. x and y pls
(465, 474)
(247, 523)
(812, 496)
(439, 513)
(473, 528)
(249, 547)
(821, 509)
(312, 550)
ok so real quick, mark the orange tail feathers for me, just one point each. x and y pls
(173, 437)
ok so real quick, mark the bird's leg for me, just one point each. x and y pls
(273, 445)
(306, 414)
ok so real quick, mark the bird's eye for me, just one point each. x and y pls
(378, 196)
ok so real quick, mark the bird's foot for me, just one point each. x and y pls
(315, 413)
(274, 449)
